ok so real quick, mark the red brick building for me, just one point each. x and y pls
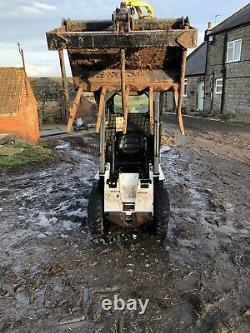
(18, 107)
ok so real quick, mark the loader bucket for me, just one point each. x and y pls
(154, 52)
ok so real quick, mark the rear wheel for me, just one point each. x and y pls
(161, 208)
(96, 210)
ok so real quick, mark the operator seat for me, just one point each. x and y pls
(131, 143)
(131, 151)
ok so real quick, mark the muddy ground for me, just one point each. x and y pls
(53, 276)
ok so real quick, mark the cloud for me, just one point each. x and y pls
(201, 37)
(39, 62)
(28, 20)
(35, 8)
(44, 6)
(25, 8)
(36, 70)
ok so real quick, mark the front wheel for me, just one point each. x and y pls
(161, 208)
(96, 210)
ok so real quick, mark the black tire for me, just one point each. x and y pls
(161, 208)
(96, 210)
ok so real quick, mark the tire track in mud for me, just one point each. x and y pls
(204, 229)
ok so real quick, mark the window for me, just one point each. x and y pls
(136, 104)
(234, 50)
(185, 88)
(218, 86)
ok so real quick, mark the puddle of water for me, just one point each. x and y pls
(44, 221)
(165, 149)
(63, 145)
(68, 225)
(77, 213)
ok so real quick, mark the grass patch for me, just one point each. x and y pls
(202, 113)
(30, 154)
(229, 116)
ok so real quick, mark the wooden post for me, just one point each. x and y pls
(175, 97)
(101, 109)
(65, 113)
(73, 109)
(22, 56)
(24, 68)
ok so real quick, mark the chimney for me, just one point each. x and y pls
(209, 28)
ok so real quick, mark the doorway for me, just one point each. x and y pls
(200, 96)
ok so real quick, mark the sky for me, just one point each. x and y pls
(27, 21)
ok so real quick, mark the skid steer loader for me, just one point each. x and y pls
(130, 65)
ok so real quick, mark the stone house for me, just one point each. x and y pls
(195, 79)
(218, 71)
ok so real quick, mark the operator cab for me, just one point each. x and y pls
(132, 151)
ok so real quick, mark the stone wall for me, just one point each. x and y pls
(48, 92)
(189, 104)
(190, 101)
(237, 75)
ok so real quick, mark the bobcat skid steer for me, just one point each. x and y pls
(130, 65)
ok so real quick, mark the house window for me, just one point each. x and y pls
(185, 88)
(218, 86)
(234, 50)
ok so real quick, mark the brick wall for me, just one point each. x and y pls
(18, 107)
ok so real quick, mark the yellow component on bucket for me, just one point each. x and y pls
(137, 5)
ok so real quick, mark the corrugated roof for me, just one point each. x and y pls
(196, 61)
(239, 18)
(12, 87)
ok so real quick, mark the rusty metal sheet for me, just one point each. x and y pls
(110, 39)
(188, 39)
(96, 67)
(136, 58)
(136, 80)
(153, 52)
(108, 25)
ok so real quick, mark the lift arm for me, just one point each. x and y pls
(137, 4)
